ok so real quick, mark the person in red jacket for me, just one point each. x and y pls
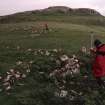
(98, 66)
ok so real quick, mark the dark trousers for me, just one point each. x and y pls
(100, 81)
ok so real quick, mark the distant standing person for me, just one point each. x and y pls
(98, 66)
(46, 27)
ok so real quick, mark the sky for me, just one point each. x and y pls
(13, 6)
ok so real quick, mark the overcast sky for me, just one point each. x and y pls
(13, 6)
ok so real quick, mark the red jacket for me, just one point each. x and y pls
(99, 62)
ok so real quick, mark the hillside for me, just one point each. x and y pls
(30, 57)
(59, 14)
(70, 11)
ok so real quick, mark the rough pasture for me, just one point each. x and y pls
(20, 46)
(35, 74)
(61, 35)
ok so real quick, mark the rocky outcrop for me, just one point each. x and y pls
(67, 10)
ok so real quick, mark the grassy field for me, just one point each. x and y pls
(64, 35)
(61, 34)
(67, 33)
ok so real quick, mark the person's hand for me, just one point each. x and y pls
(92, 50)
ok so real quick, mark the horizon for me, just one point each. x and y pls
(8, 7)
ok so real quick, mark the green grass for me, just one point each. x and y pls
(66, 32)
(75, 19)
(67, 36)
(62, 35)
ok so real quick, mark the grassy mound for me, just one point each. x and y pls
(20, 33)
